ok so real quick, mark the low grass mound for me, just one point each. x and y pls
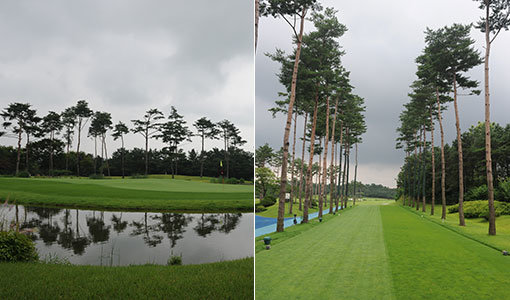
(223, 280)
(480, 209)
(128, 194)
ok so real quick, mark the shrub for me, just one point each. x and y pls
(174, 260)
(96, 176)
(260, 208)
(241, 181)
(16, 247)
(268, 200)
(480, 209)
(504, 190)
(58, 173)
(23, 174)
(139, 176)
(477, 193)
(232, 180)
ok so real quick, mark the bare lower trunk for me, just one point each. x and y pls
(419, 175)
(27, 145)
(355, 173)
(347, 161)
(423, 206)
(332, 175)
(488, 155)
(106, 156)
(462, 222)
(78, 150)
(51, 155)
(325, 161)
(146, 152)
(283, 178)
(18, 157)
(339, 167)
(443, 164)
(342, 193)
(310, 163)
(301, 178)
(292, 164)
(433, 196)
(122, 157)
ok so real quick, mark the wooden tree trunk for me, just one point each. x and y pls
(332, 176)
(27, 145)
(18, 158)
(106, 155)
(309, 182)
(423, 206)
(355, 173)
(78, 149)
(347, 160)
(283, 178)
(419, 173)
(488, 155)
(122, 157)
(146, 152)
(340, 167)
(342, 193)
(462, 222)
(433, 164)
(322, 197)
(202, 157)
(51, 155)
(443, 164)
(292, 164)
(301, 177)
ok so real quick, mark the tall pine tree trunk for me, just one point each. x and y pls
(122, 157)
(355, 173)
(443, 164)
(202, 157)
(292, 164)
(332, 175)
(488, 155)
(301, 177)
(462, 222)
(308, 193)
(433, 164)
(283, 179)
(325, 161)
(423, 206)
(78, 149)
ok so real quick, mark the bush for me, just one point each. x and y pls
(480, 209)
(139, 176)
(477, 193)
(58, 173)
(504, 190)
(260, 208)
(232, 180)
(268, 200)
(241, 181)
(16, 247)
(96, 176)
(174, 260)
(23, 174)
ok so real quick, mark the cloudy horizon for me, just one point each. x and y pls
(381, 44)
(125, 57)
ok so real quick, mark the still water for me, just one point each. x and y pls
(87, 237)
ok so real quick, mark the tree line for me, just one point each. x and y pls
(48, 141)
(447, 57)
(317, 90)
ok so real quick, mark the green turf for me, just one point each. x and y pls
(378, 250)
(476, 228)
(343, 258)
(128, 194)
(224, 280)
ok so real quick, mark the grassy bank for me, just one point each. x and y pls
(379, 250)
(476, 228)
(128, 194)
(224, 280)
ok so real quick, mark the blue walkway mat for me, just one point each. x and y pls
(264, 225)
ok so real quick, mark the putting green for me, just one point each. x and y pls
(381, 251)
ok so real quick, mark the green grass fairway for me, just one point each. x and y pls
(225, 280)
(379, 250)
(128, 194)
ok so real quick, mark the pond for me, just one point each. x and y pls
(88, 237)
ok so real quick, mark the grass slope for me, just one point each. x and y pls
(379, 250)
(343, 258)
(128, 194)
(429, 261)
(225, 280)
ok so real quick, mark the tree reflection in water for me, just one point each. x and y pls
(54, 226)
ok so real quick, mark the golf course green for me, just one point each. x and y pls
(128, 194)
(379, 250)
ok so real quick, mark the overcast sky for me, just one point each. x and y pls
(125, 57)
(382, 41)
